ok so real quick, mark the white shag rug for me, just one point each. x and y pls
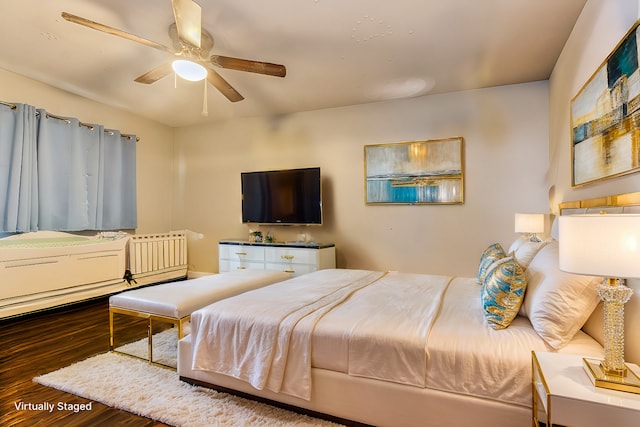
(154, 392)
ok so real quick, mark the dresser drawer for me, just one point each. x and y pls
(294, 269)
(245, 265)
(236, 255)
(291, 256)
(241, 253)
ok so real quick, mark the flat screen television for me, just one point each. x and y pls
(291, 196)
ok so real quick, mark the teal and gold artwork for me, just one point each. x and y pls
(417, 172)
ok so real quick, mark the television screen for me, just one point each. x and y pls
(290, 196)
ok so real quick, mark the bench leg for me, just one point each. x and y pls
(111, 339)
(150, 340)
(150, 318)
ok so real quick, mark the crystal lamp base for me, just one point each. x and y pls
(628, 381)
(612, 372)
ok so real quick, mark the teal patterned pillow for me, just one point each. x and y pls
(503, 292)
(489, 256)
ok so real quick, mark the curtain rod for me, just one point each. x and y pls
(90, 126)
(53, 116)
(126, 135)
(66, 120)
(8, 104)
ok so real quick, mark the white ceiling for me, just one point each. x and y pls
(337, 52)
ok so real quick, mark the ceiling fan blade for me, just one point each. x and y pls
(259, 67)
(114, 31)
(188, 16)
(155, 74)
(225, 88)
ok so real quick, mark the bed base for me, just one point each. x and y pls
(373, 402)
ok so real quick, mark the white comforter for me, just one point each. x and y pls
(264, 337)
(253, 336)
(388, 326)
(467, 356)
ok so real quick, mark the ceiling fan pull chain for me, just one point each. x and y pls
(205, 111)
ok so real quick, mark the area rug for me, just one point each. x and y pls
(154, 392)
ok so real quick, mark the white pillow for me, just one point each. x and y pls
(523, 250)
(557, 303)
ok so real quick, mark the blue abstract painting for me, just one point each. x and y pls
(605, 117)
(415, 172)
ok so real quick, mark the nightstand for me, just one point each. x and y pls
(563, 391)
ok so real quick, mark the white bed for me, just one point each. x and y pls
(392, 349)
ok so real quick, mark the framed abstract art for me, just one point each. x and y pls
(420, 172)
(605, 118)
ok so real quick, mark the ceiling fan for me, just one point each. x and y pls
(191, 47)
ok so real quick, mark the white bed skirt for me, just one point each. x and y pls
(376, 402)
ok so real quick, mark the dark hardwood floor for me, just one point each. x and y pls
(43, 342)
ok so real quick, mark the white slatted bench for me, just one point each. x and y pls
(174, 302)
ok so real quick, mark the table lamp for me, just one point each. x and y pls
(606, 245)
(529, 224)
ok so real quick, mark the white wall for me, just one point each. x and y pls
(506, 138)
(154, 150)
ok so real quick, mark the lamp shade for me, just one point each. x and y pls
(529, 223)
(600, 245)
(189, 70)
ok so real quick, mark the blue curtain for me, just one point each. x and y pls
(84, 177)
(118, 207)
(18, 168)
(68, 173)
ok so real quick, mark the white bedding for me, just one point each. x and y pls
(385, 329)
(392, 327)
(262, 335)
(471, 358)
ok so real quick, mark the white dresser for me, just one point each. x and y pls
(294, 258)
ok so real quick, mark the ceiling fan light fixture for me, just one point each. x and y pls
(189, 70)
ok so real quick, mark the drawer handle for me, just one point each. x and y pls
(288, 271)
(241, 268)
(241, 253)
(287, 257)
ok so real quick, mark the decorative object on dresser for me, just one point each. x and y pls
(293, 258)
(606, 245)
(529, 224)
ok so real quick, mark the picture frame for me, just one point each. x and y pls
(418, 172)
(605, 117)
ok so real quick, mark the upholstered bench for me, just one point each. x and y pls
(174, 302)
